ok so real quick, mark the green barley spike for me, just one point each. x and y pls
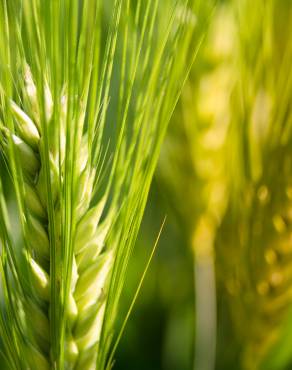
(83, 112)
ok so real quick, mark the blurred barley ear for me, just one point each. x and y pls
(193, 169)
(229, 148)
(251, 262)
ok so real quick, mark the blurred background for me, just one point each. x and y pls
(160, 332)
(218, 294)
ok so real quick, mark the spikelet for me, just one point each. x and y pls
(91, 264)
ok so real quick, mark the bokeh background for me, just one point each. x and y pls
(218, 294)
(160, 333)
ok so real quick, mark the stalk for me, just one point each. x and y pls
(193, 170)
